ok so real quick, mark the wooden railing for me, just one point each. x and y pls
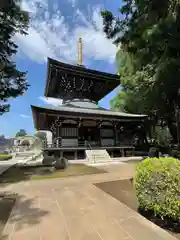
(84, 144)
(58, 144)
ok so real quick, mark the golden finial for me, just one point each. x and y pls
(80, 52)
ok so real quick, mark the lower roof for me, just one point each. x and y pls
(63, 109)
(71, 111)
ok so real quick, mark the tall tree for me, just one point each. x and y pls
(2, 137)
(21, 133)
(148, 32)
(13, 20)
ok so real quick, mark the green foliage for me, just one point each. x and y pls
(5, 157)
(13, 20)
(21, 133)
(157, 184)
(118, 102)
(2, 137)
(162, 136)
(148, 58)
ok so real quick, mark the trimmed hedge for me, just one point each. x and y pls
(157, 184)
(5, 157)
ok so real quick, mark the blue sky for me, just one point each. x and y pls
(55, 27)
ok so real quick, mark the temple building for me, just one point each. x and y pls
(80, 123)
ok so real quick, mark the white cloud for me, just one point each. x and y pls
(51, 101)
(72, 2)
(24, 116)
(32, 5)
(50, 35)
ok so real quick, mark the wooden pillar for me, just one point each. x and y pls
(43, 119)
(79, 125)
(122, 152)
(59, 133)
(114, 125)
(100, 142)
(99, 125)
(75, 155)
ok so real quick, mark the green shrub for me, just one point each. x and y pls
(157, 184)
(5, 157)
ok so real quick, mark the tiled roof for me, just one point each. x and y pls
(100, 111)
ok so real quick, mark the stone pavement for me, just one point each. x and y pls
(75, 209)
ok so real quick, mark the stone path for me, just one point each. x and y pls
(75, 209)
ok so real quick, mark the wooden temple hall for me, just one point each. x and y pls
(79, 123)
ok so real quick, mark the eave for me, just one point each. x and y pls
(84, 113)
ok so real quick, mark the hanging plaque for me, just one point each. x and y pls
(89, 123)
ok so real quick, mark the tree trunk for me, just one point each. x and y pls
(172, 129)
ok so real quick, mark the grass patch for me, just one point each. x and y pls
(4, 157)
(17, 174)
(72, 170)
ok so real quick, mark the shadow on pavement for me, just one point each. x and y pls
(22, 211)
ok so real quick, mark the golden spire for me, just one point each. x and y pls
(80, 52)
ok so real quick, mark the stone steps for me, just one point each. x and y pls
(97, 156)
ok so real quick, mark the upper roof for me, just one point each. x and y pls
(67, 81)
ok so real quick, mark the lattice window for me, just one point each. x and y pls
(107, 133)
(106, 123)
(69, 121)
(69, 132)
(107, 142)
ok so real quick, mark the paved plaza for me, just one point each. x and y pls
(75, 209)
